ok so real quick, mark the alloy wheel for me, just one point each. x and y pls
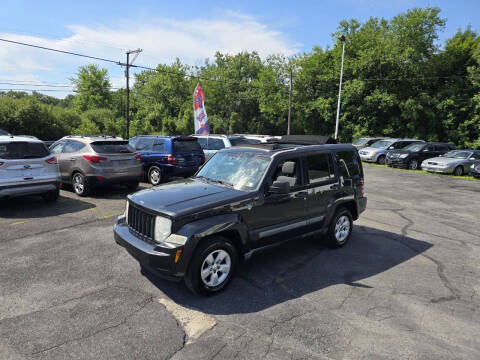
(215, 268)
(155, 176)
(342, 228)
(78, 183)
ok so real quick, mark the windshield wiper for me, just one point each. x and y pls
(226, 183)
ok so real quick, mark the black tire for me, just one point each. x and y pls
(80, 184)
(339, 239)
(458, 171)
(381, 160)
(132, 185)
(413, 165)
(213, 245)
(155, 175)
(51, 196)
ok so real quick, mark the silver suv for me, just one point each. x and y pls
(210, 144)
(88, 161)
(27, 168)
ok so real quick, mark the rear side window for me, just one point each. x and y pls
(350, 160)
(239, 140)
(144, 144)
(158, 146)
(73, 146)
(215, 144)
(202, 142)
(319, 168)
(22, 150)
(111, 147)
(186, 145)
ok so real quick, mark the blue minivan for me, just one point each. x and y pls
(168, 156)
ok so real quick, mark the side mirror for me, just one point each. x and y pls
(279, 187)
(391, 148)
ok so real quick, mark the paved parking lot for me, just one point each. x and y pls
(406, 287)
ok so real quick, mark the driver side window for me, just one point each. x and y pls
(288, 170)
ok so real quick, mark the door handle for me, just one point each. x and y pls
(72, 159)
(301, 194)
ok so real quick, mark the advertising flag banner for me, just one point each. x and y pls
(199, 112)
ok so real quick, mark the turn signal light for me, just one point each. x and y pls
(171, 159)
(1, 163)
(94, 158)
(177, 255)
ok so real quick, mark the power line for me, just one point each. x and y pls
(37, 90)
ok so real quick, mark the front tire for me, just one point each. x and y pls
(381, 160)
(80, 184)
(155, 175)
(458, 171)
(212, 267)
(413, 165)
(340, 228)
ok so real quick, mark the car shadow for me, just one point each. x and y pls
(109, 191)
(36, 207)
(300, 267)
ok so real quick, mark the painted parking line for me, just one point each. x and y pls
(18, 222)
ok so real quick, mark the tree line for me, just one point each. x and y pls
(398, 81)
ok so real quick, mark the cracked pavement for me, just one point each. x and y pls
(405, 287)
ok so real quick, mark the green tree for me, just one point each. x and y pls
(92, 86)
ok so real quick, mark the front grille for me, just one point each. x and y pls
(141, 223)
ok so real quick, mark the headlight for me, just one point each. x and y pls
(403, 156)
(163, 228)
(373, 153)
(443, 165)
(126, 212)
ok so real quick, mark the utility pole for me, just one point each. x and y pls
(290, 103)
(127, 76)
(342, 39)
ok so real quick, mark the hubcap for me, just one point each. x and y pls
(78, 184)
(414, 165)
(215, 268)
(154, 176)
(342, 228)
(381, 160)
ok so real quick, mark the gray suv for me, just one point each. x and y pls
(88, 161)
(27, 168)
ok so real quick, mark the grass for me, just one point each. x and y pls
(465, 177)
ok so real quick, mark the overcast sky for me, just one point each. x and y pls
(189, 30)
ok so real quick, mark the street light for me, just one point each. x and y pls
(342, 39)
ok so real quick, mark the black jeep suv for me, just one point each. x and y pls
(243, 199)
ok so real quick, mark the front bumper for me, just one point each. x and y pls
(157, 259)
(474, 173)
(400, 163)
(437, 169)
(29, 189)
(368, 157)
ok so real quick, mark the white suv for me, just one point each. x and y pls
(210, 144)
(27, 168)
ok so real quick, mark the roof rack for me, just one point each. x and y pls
(305, 140)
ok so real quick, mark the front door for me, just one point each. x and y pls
(275, 217)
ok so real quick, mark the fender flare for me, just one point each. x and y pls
(197, 230)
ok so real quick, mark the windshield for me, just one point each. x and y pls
(360, 141)
(414, 147)
(240, 170)
(382, 144)
(457, 154)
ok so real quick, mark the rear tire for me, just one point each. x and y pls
(381, 160)
(340, 229)
(51, 196)
(212, 266)
(80, 184)
(458, 171)
(155, 175)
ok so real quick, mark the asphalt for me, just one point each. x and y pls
(405, 287)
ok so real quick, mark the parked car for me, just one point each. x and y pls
(365, 142)
(89, 161)
(212, 143)
(3, 132)
(242, 200)
(456, 162)
(257, 139)
(27, 168)
(168, 156)
(412, 156)
(48, 143)
(475, 170)
(377, 152)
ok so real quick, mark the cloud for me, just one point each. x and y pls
(162, 41)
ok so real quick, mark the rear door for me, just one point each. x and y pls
(71, 158)
(187, 151)
(26, 162)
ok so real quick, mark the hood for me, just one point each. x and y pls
(185, 196)
(443, 160)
